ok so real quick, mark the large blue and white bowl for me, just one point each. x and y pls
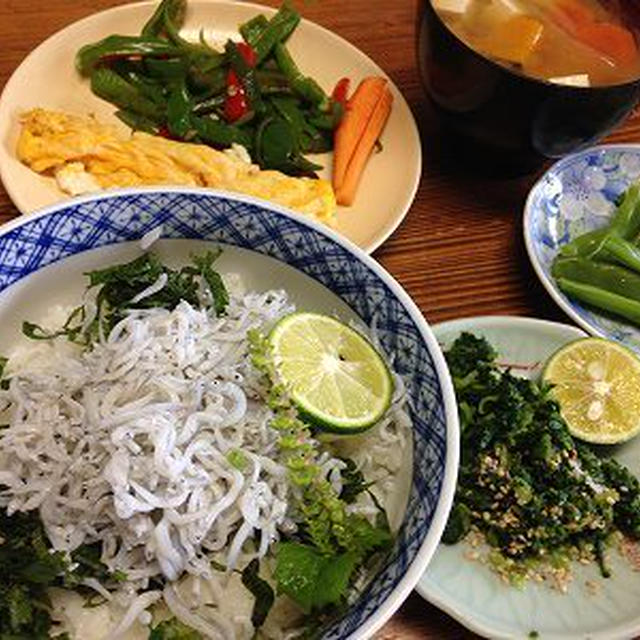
(42, 258)
(578, 194)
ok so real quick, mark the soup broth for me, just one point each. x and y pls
(572, 42)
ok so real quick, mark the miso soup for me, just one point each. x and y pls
(573, 42)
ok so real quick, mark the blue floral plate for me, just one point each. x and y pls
(575, 195)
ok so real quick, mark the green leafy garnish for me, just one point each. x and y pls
(4, 382)
(311, 579)
(332, 542)
(237, 459)
(120, 284)
(28, 566)
(261, 591)
(353, 482)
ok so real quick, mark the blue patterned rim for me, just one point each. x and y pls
(31, 243)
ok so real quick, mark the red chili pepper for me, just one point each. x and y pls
(341, 91)
(235, 103)
(164, 132)
(248, 53)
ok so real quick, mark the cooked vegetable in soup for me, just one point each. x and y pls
(572, 42)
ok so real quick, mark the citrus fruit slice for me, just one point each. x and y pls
(597, 385)
(334, 375)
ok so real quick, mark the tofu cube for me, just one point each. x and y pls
(458, 7)
(577, 80)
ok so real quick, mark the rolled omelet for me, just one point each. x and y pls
(84, 155)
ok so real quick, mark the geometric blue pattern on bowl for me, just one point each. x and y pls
(91, 223)
(578, 194)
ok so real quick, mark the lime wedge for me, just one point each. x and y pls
(334, 375)
(597, 385)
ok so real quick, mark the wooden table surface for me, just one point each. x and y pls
(459, 251)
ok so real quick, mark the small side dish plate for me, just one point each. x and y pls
(593, 607)
(391, 177)
(575, 195)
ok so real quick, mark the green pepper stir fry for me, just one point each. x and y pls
(251, 93)
(533, 492)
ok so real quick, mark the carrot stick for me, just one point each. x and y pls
(359, 109)
(346, 192)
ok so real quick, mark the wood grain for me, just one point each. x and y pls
(460, 250)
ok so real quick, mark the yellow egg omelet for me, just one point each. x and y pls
(85, 155)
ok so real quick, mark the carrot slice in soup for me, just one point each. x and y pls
(611, 39)
(572, 14)
(346, 192)
(360, 107)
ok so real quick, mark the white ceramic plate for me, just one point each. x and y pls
(47, 78)
(475, 596)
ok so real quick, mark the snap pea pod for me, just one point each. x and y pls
(306, 87)
(172, 10)
(611, 277)
(252, 28)
(220, 134)
(168, 70)
(626, 220)
(586, 244)
(620, 250)
(167, 20)
(210, 82)
(625, 224)
(209, 105)
(603, 244)
(328, 120)
(138, 122)
(276, 147)
(307, 136)
(148, 88)
(602, 299)
(107, 84)
(90, 55)
(278, 29)
(272, 82)
(179, 107)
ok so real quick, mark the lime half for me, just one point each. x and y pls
(334, 375)
(597, 385)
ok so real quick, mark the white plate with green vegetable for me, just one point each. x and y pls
(459, 580)
(391, 176)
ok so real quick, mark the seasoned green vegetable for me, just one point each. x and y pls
(601, 268)
(605, 299)
(524, 483)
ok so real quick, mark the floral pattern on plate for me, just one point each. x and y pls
(578, 194)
